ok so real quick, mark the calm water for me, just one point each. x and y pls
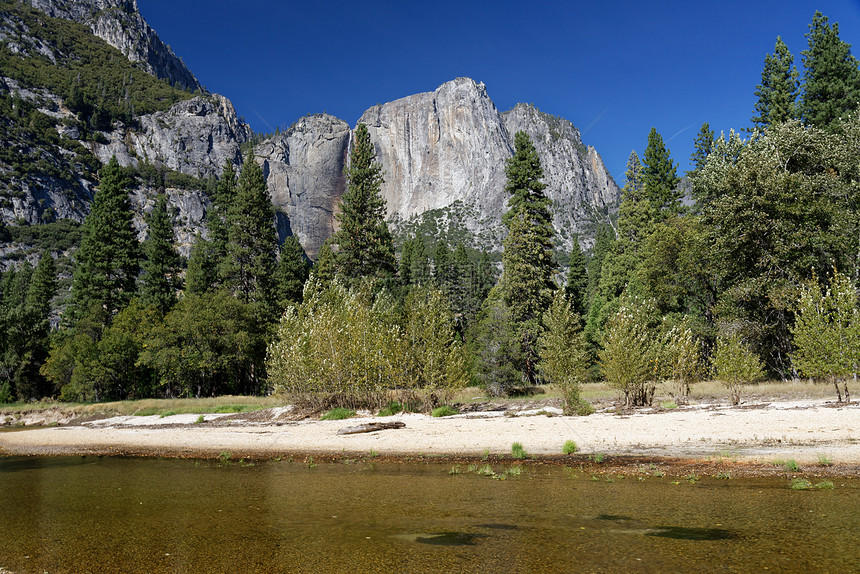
(142, 515)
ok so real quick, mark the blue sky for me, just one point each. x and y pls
(615, 69)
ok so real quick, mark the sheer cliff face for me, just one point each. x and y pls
(119, 23)
(439, 147)
(304, 168)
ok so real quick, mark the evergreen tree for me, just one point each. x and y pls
(777, 92)
(660, 177)
(831, 81)
(43, 286)
(161, 263)
(324, 267)
(365, 247)
(442, 267)
(701, 148)
(576, 288)
(292, 272)
(201, 274)
(108, 260)
(250, 264)
(218, 224)
(527, 281)
(563, 353)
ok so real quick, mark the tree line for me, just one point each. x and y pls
(752, 274)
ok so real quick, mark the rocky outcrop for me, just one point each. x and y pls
(195, 136)
(304, 168)
(119, 23)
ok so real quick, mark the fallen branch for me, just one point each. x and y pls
(371, 427)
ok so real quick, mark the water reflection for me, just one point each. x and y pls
(149, 515)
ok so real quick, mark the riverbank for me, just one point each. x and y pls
(818, 434)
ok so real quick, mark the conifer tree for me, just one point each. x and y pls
(527, 283)
(323, 269)
(702, 145)
(777, 92)
(831, 81)
(292, 272)
(250, 264)
(160, 278)
(576, 288)
(108, 259)
(364, 244)
(660, 177)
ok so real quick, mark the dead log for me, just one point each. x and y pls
(371, 427)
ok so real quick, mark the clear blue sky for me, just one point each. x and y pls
(613, 68)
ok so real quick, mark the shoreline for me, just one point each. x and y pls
(821, 436)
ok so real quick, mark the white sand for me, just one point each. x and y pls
(801, 430)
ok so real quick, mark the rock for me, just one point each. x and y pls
(304, 168)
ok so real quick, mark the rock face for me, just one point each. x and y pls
(304, 168)
(119, 23)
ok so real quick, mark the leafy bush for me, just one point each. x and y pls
(517, 451)
(569, 447)
(734, 364)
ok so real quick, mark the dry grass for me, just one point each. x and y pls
(152, 406)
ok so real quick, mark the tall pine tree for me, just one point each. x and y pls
(108, 259)
(831, 81)
(364, 244)
(660, 177)
(527, 284)
(777, 92)
(292, 272)
(160, 278)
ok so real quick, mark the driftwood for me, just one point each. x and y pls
(371, 427)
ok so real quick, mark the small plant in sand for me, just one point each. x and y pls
(517, 451)
(824, 460)
(444, 411)
(569, 447)
(338, 413)
(668, 405)
(225, 457)
(791, 465)
(200, 419)
(824, 485)
(598, 457)
(800, 484)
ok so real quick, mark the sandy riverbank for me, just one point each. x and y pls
(803, 430)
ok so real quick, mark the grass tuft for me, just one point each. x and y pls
(569, 447)
(444, 411)
(800, 484)
(337, 414)
(392, 409)
(824, 460)
(517, 451)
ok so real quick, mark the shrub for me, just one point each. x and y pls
(392, 409)
(629, 354)
(569, 447)
(563, 355)
(734, 364)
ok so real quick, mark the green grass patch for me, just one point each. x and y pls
(392, 409)
(337, 414)
(517, 451)
(825, 485)
(824, 460)
(569, 447)
(791, 465)
(200, 419)
(668, 405)
(444, 411)
(800, 484)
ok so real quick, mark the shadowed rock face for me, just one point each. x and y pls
(304, 168)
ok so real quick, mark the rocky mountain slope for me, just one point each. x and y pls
(443, 152)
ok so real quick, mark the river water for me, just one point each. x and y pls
(90, 514)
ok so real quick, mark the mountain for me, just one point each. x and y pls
(84, 80)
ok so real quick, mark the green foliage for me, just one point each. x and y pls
(95, 79)
(826, 331)
(249, 268)
(365, 247)
(61, 235)
(777, 92)
(659, 176)
(800, 484)
(831, 81)
(630, 352)
(517, 451)
(392, 409)
(702, 145)
(563, 354)
(499, 349)
(161, 263)
(791, 465)
(337, 414)
(291, 273)
(569, 447)
(680, 360)
(348, 348)
(108, 259)
(734, 364)
(444, 411)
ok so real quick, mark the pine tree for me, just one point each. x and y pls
(831, 81)
(292, 272)
(576, 288)
(161, 263)
(250, 265)
(660, 177)
(218, 225)
(201, 274)
(323, 269)
(702, 146)
(365, 247)
(527, 281)
(108, 260)
(777, 92)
